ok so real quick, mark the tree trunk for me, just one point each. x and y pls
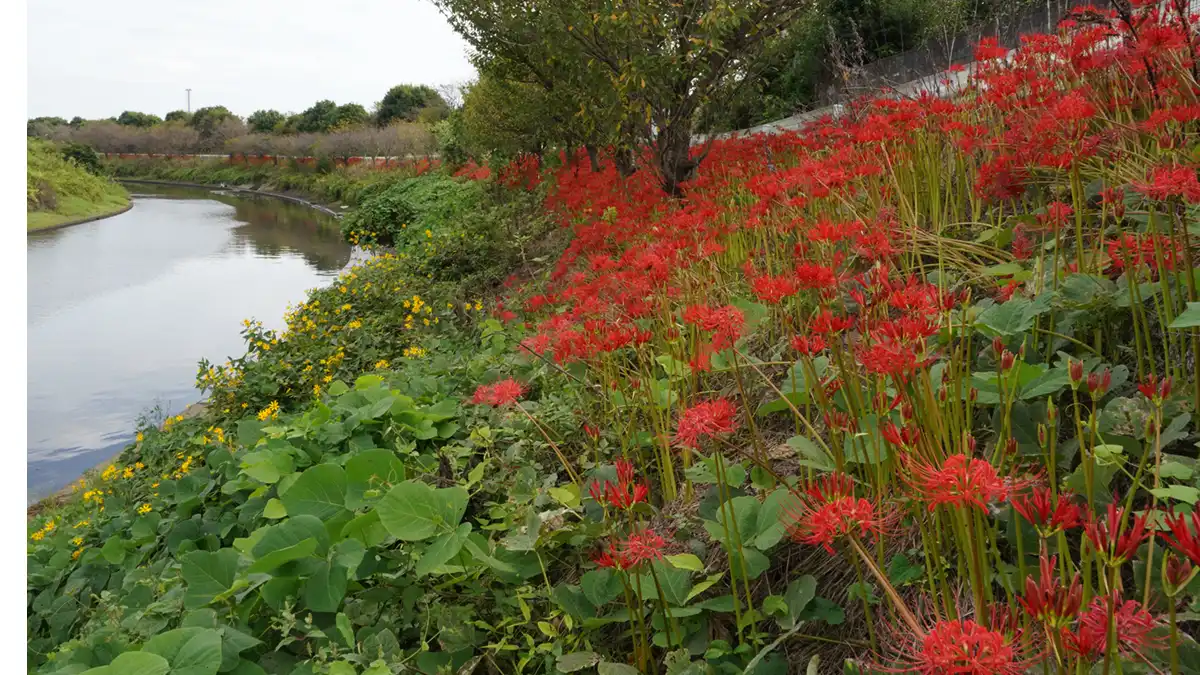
(623, 160)
(593, 157)
(675, 163)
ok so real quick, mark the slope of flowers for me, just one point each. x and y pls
(977, 316)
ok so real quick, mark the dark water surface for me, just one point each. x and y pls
(122, 309)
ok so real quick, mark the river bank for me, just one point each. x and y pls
(61, 193)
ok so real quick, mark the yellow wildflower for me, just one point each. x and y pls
(77, 541)
(76, 554)
(144, 509)
(140, 437)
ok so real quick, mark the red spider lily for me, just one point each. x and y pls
(725, 323)
(1113, 545)
(1133, 626)
(905, 437)
(1182, 538)
(625, 493)
(772, 290)
(962, 647)
(706, 419)
(826, 323)
(1047, 601)
(642, 547)
(1155, 389)
(828, 510)
(1171, 181)
(808, 345)
(1049, 514)
(959, 481)
(499, 393)
(613, 558)
(887, 357)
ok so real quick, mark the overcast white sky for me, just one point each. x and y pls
(96, 59)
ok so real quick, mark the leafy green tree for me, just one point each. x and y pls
(207, 120)
(264, 121)
(178, 116)
(37, 124)
(132, 118)
(406, 101)
(321, 117)
(504, 117)
(76, 122)
(350, 115)
(664, 59)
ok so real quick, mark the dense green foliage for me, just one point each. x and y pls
(132, 118)
(265, 121)
(61, 185)
(409, 102)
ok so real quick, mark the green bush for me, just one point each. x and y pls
(84, 156)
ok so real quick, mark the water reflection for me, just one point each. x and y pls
(121, 310)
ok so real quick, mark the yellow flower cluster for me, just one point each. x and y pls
(184, 467)
(381, 364)
(48, 528)
(270, 412)
(172, 421)
(414, 352)
(94, 496)
(144, 509)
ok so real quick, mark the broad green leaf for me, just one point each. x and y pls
(266, 466)
(607, 668)
(903, 571)
(442, 550)
(367, 529)
(207, 575)
(772, 518)
(810, 455)
(1188, 318)
(289, 532)
(325, 589)
(273, 559)
(600, 586)
(569, 663)
(676, 584)
(1013, 317)
(686, 561)
(274, 509)
(132, 663)
(320, 491)
(1181, 493)
(190, 651)
(411, 511)
(114, 550)
(775, 605)
(371, 470)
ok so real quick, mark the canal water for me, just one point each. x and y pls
(121, 311)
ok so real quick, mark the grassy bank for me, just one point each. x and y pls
(910, 391)
(60, 191)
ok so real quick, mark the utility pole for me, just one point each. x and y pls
(189, 91)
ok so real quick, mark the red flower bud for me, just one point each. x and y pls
(1178, 570)
(1010, 446)
(1075, 371)
(997, 345)
(1007, 360)
(1098, 383)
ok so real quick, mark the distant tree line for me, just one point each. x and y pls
(399, 124)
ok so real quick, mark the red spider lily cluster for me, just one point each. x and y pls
(625, 493)
(807, 260)
(501, 393)
(828, 510)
